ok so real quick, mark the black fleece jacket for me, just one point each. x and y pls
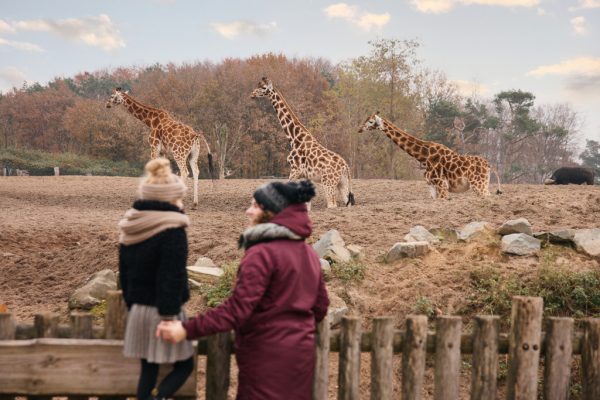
(153, 272)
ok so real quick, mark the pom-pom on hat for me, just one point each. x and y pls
(160, 183)
(275, 196)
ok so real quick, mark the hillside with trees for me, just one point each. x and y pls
(523, 140)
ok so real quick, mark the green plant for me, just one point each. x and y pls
(216, 293)
(348, 272)
(99, 310)
(424, 305)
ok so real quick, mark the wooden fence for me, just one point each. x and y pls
(48, 359)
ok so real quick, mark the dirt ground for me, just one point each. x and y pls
(57, 231)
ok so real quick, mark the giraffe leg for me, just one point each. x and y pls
(183, 171)
(155, 145)
(343, 190)
(330, 189)
(193, 160)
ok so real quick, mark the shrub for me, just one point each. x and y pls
(348, 272)
(215, 294)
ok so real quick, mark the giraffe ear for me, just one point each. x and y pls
(127, 92)
(264, 79)
(118, 89)
(377, 113)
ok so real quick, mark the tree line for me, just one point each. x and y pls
(524, 141)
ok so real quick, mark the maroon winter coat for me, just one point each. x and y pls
(278, 296)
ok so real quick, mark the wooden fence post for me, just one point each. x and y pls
(485, 357)
(381, 359)
(115, 318)
(218, 359)
(447, 358)
(8, 327)
(590, 359)
(558, 350)
(321, 379)
(81, 325)
(524, 348)
(45, 325)
(414, 350)
(349, 364)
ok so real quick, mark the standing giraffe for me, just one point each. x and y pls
(445, 170)
(309, 159)
(167, 135)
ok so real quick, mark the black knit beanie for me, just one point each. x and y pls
(275, 196)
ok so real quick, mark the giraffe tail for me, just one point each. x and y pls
(211, 167)
(499, 189)
(351, 200)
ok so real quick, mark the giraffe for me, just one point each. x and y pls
(168, 135)
(308, 158)
(445, 170)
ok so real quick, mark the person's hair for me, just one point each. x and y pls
(158, 171)
(266, 216)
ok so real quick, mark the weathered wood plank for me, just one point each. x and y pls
(590, 359)
(447, 358)
(115, 319)
(51, 367)
(349, 365)
(218, 366)
(485, 357)
(8, 328)
(558, 349)
(413, 357)
(45, 325)
(524, 348)
(321, 377)
(381, 359)
(82, 325)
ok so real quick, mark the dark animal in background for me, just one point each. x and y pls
(566, 175)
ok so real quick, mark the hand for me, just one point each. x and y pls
(171, 331)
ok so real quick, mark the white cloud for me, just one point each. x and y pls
(579, 26)
(442, 6)
(97, 31)
(363, 19)
(582, 66)
(21, 45)
(468, 88)
(231, 30)
(5, 27)
(586, 4)
(11, 77)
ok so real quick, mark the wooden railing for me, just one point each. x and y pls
(49, 359)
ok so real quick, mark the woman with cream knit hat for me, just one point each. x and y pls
(153, 251)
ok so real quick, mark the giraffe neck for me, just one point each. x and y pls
(141, 111)
(405, 141)
(293, 128)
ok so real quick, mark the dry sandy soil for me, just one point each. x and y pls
(57, 231)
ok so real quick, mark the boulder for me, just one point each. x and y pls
(563, 237)
(337, 309)
(588, 241)
(355, 251)
(419, 233)
(325, 266)
(331, 247)
(205, 262)
(520, 244)
(520, 225)
(473, 229)
(94, 291)
(407, 249)
(204, 274)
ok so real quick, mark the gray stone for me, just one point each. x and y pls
(520, 225)
(355, 251)
(94, 291)
(331, 247)
(419, 233)
(563, 237)
(588, 241)
(407, 249)
(337, 309)
(520, 244)
(325, 266)
(473, 229)
(205, 262)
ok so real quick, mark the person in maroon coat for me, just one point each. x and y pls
(278, 298)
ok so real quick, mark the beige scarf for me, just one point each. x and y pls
(137, 226)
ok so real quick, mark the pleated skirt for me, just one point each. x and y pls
(141, 341)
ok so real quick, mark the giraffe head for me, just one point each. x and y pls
(115, 98)
(264, 88)
(373, 122)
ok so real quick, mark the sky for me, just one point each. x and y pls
(548, 47)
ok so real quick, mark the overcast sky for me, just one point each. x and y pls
(548, 47)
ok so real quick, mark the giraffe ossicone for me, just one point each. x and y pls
(308, 158)
(167, 136)
(445, 170)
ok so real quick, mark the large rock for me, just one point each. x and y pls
(403, 250)
(520, 244)
(204, 274)
(520, 225)
(205, 262)
(563, 237)
(355, 251)
(588, 241)
(325, 266)
(473, 229)
(337, 309)
(331, 247)
(94, 291)
(419, 233)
